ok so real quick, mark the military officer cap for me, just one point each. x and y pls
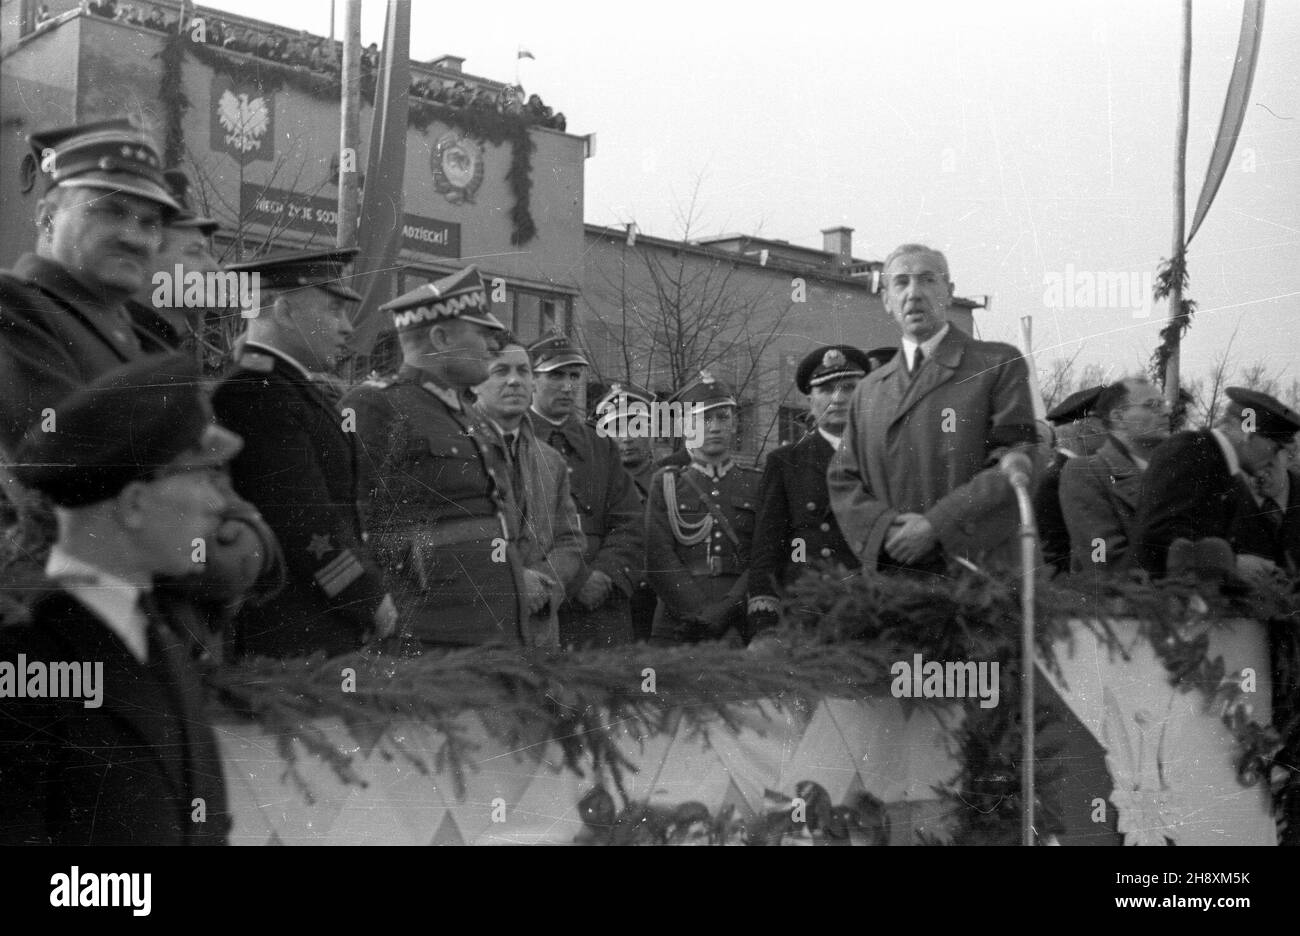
(458, 296)
(323, 269)
(706, 393)
(125, 426)
(112, 155)
(832, 362)
(1075, 407)
(621, 399)
(187, 217)
(555, 351)
(1273, 418)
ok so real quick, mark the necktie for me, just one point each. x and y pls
(1271, 510)
(917, 360)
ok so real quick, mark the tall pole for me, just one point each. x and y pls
(1180, 208)
(350, 128)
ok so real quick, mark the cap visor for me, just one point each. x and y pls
(488, 319)
(836, 375)
(131, 185)
(563, 360)
(343, 292)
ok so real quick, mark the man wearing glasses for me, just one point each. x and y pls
(1196, 485)
(1099, 492)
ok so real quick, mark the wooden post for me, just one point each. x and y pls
(1180, 206)
(350, 128)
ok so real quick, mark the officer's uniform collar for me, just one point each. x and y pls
(260, 348)
(834, 440)
(711, 468)
(547, 419)
(438, 388)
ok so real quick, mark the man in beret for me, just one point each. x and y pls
(438, 500)
(1196, 484)
(546, 518)
(700, 526)
(598, 612)
(1099, 493)
(915, 481)
(1078, 433)
(120, 752)
(299, 463)
(796, 527)
(63, 317)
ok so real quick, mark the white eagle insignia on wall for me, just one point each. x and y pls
(245, 121)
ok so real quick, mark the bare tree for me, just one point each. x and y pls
(673, 313)
(1057, 382)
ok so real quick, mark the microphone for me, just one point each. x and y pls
(1017, 467)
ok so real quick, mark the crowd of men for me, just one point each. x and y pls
(468, 499)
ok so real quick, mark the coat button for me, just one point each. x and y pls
(812, 505)
(454, 450)
(825, 527)
(826, 552)
(717, 493)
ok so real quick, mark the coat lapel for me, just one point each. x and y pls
(936, 372)
(57, 283)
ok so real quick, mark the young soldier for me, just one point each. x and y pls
(796, 528)
(699, 527)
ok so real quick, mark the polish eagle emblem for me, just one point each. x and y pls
(244, 120)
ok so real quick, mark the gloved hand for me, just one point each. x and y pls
(595, 590)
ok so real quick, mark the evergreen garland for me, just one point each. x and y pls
(839, 636)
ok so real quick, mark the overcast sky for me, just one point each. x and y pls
(1023, 139)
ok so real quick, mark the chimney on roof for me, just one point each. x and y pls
(838, 242)
(450, 63)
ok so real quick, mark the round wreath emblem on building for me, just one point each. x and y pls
(457, 167)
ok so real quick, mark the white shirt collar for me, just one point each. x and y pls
(113, 600)
(1068, 453)
(534, 411)
(1229, 453)
(832, 439)
(276, 352)
(928, 346)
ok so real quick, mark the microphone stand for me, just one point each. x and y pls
(1028, 538)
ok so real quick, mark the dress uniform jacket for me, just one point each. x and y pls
(437, 507)
(125, 773)
(642, 602)
(689, 578)
(898, 455)
(611, 513)
(299, 468)
(1187, 492)
(56, 335)
(1099, 499)
(794, 504)
(546, 518)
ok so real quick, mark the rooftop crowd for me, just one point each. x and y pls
(467, 499)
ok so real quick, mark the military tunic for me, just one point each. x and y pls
(299, 468)
(796, 528)
(610, 510)
(692, 562)
(643, 600)
(437, 500)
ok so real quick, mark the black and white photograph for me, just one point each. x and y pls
(678, 424)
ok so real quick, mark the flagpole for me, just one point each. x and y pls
(1180, 210)
(350, 127)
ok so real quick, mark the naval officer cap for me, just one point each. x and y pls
(458, 296)
(831, 362)
(109, 155)
(127, 425)
(1273, 419)
(1076, 406)
(705, 393)
(321, 269)
(179, 184)
(553, 352)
